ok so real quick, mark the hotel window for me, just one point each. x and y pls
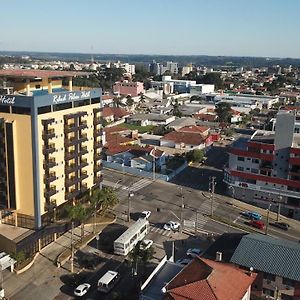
(255, 160)
(240, 158)
(240, 168)
(254, 171)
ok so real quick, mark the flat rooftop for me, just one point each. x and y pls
(14, 233)
(36, 74)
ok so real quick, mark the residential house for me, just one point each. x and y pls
(276, 262)
(202, 279)
(150, 119)
(185, 141)
(112, 114)
(130, 88)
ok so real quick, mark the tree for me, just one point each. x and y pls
(176, 111)
(223, 110)
(105, 197)
(212, 78)
(78, 213)
(138, 255)
(129, 101)
(195, 155)
(161, 130)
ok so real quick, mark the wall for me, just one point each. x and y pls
(23, 161)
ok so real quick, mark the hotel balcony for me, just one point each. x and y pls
(97, 167)
(71, 181)
(48, 134)
(97, 156)
(50, 192)
(70, 154)
(83, 150)
(82, 125)
(83, 163)
(83, 187)
(98, 144)
(69, 127)
(72, 194)
(49, 149)
(98, 179)
(83, 175)
(82, 138)
(49, 163)
(50, 178)
(70, 168)
(98, 132)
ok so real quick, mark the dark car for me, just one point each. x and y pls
(281, 225)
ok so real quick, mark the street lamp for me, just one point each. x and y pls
(279, 206)
(268, 215)
(212, 190)
(130, 195)
(181, 210)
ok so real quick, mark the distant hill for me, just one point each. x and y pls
(228, 61)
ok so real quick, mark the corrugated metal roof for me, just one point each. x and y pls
(270, 255)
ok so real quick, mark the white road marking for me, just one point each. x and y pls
(236, 219)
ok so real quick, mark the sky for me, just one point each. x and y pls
(267, 28)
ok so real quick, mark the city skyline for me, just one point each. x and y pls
(264, 29)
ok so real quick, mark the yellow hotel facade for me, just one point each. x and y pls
(50, 141)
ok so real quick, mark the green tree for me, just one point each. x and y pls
(105, 197)
(129, 101)
(212, 78)
(176, 111)
(195, 155)
(77, 213)
(223, 110)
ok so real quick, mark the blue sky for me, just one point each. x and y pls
(212, 27)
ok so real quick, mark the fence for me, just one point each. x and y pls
(142, 173)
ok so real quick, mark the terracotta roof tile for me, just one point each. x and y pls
(204, 279)
(194, 129)
(188, 138)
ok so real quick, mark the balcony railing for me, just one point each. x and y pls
(97, 167)
(98, 179)
(83, 163)
(70, 168)
(52, 177)
(70, 154)
(83, 150)
(83, 138)
(50, 192)
(49, 149)
(48, 134)
(98, 144)
(50, 163)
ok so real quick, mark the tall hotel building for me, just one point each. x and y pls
(265, 169)
(50, 141)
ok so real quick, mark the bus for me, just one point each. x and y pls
(135, 233)
(108, 281)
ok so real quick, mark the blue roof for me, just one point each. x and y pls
(240, 143)
(270, 255)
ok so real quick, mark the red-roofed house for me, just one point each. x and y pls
(203, 130)
(204, 279)
(208, 117)
(112, 114)
(185, 141)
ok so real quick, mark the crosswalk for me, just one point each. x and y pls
(138, 185)
(158, 229)
(201, 222)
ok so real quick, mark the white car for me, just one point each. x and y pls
(146, 244)
(146, 214)
(194, 252)
(82, 289)
(171, 225)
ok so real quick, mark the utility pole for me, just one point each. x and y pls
(181, 210)
(197, 220)
(95, 213)
(268, 216)
(72, 248)
(279, 206)
(154, 164)
(212, 190)
(130, 195)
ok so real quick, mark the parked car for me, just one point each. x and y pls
(172, 225)
(257, 224)
(146, 244)
(146, 214)
(251, 215)
(193, 252)
(281, 225)
(82, 289)
(183, 261)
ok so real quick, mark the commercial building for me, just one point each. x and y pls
(265, 168)
(130, 88)
(50, 142)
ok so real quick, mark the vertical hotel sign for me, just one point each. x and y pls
(73, 96)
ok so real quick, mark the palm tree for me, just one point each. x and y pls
(78, 213)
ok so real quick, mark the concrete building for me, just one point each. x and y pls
(186, 70)
(150, 119)
(265, 169)
(50, 142)
(172, 67)
(130, 88)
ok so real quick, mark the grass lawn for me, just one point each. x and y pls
(140, 129)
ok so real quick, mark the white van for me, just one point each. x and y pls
(108, 281)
